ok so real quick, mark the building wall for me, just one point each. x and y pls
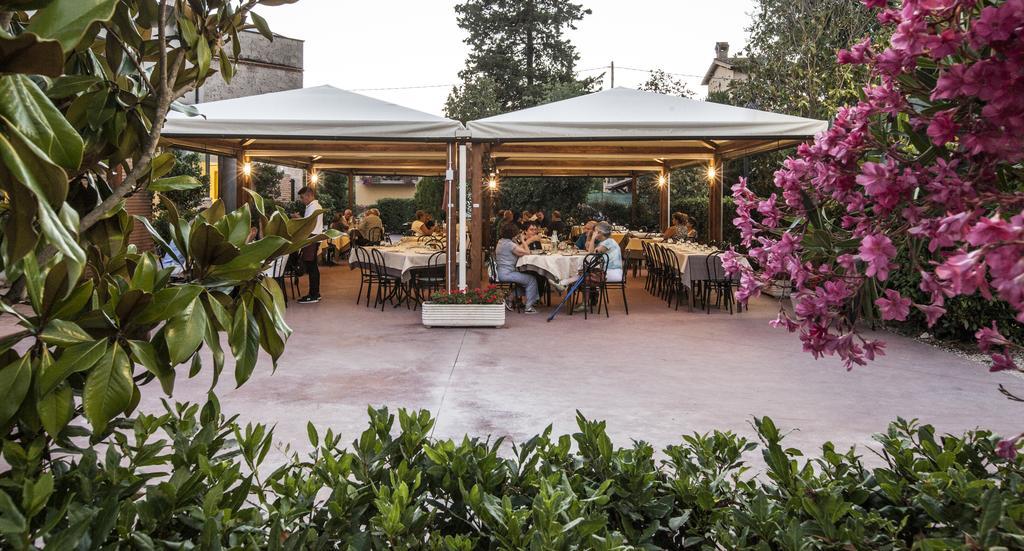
(723, 78)
(368, 193)
(263, 67)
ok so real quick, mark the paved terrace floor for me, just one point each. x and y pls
(653, 375)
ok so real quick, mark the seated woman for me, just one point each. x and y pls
(588, 230)
(678, 230)
(601, 242)
(506, 256)
(531, 236)
(691, 231)
(419, 225)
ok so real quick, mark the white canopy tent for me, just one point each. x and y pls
(627, 114)
(321, 128)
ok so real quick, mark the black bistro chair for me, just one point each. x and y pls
(423, 282)
(718, 282)
(595, 266)
(390, 287)
(367, 275)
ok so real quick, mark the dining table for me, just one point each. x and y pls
(402, 258)
(554, 265)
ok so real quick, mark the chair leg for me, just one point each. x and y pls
(625, 303)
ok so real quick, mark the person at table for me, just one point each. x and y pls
(532, 236)
(601, 241)
(678, 229)
(691, 231)
(371, 220)
(506, 256)
(419, 225)
(542, 223)
(342, 221)
(308, 254)
(558, 226)
(524, 219)
(584, 238)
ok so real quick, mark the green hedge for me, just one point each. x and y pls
(191, 477)
(964, 314)
(395, 213)
(647, 215)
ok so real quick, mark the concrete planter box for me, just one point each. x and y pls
(463, 315)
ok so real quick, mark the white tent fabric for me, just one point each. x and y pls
(627, 114)
(318, 112)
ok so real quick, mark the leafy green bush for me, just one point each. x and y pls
(965, 315)
(395, 213)
(192, 477)
(429, 195)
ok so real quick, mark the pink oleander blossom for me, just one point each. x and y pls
(925, 164)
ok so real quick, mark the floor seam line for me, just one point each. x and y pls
(447, 383)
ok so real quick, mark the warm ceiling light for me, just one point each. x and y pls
(492, 183)
(314, 177)
(661, 180)
(247, 169)
(712, 172)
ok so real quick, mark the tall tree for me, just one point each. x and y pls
(664, 83)
(791, 57)
(520, 45)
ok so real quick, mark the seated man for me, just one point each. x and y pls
(601, 242)
(371, 221)
(588, 230)
(506, 256)
(558, 226)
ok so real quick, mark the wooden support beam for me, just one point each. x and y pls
(715, 194)
(450, 222)
(333, 153)
(663, 198)
(635, 191)
(476, 228)
(242, 182)
(352, 190)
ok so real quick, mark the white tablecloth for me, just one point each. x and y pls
(555, 266)
(694, 264)
(400, 259)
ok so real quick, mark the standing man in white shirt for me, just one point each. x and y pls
(308, 254)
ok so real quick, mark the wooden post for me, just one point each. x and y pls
(476, 228)
(715, 191)
(664, 215)
(242, 182)
(450, 222)
(635, 200)
(352, 190)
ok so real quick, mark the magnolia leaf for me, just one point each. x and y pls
(64, 333)
(190, 110)
(250, 261)
(26, 107)
(145, 354)
(174, 183)
(108, 388)
(244, 341)
(14, 383)
(261, 26)
(184, 332)
(75, 359)
(28, 54)
(203, 57)
(67, 21)
(56, 409)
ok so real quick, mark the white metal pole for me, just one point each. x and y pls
(463, 156)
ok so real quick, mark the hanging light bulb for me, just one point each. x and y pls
(247, 169)
(492, 183)
(314, 177)
(661, 180)
(711, 172)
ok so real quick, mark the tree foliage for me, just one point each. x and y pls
(563, 194)
(518, 52)
(429, 195)
(84, 93)
(664, 83)
(266, 181)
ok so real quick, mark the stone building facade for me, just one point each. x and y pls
(724, 70)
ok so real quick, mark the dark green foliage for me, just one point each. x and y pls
(964, 314)
(562, 194)
(266, 181)
(519, 56)
(333, 193)
(395, 213)
(429, 195)
(193, 477)
(189, 201)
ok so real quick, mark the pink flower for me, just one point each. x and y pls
(1007, 448)
(989, 337)
(878, 251)
(932, 312)
(942, 129)
(1002, 362)
(893, 306)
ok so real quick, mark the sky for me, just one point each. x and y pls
(411, 51)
